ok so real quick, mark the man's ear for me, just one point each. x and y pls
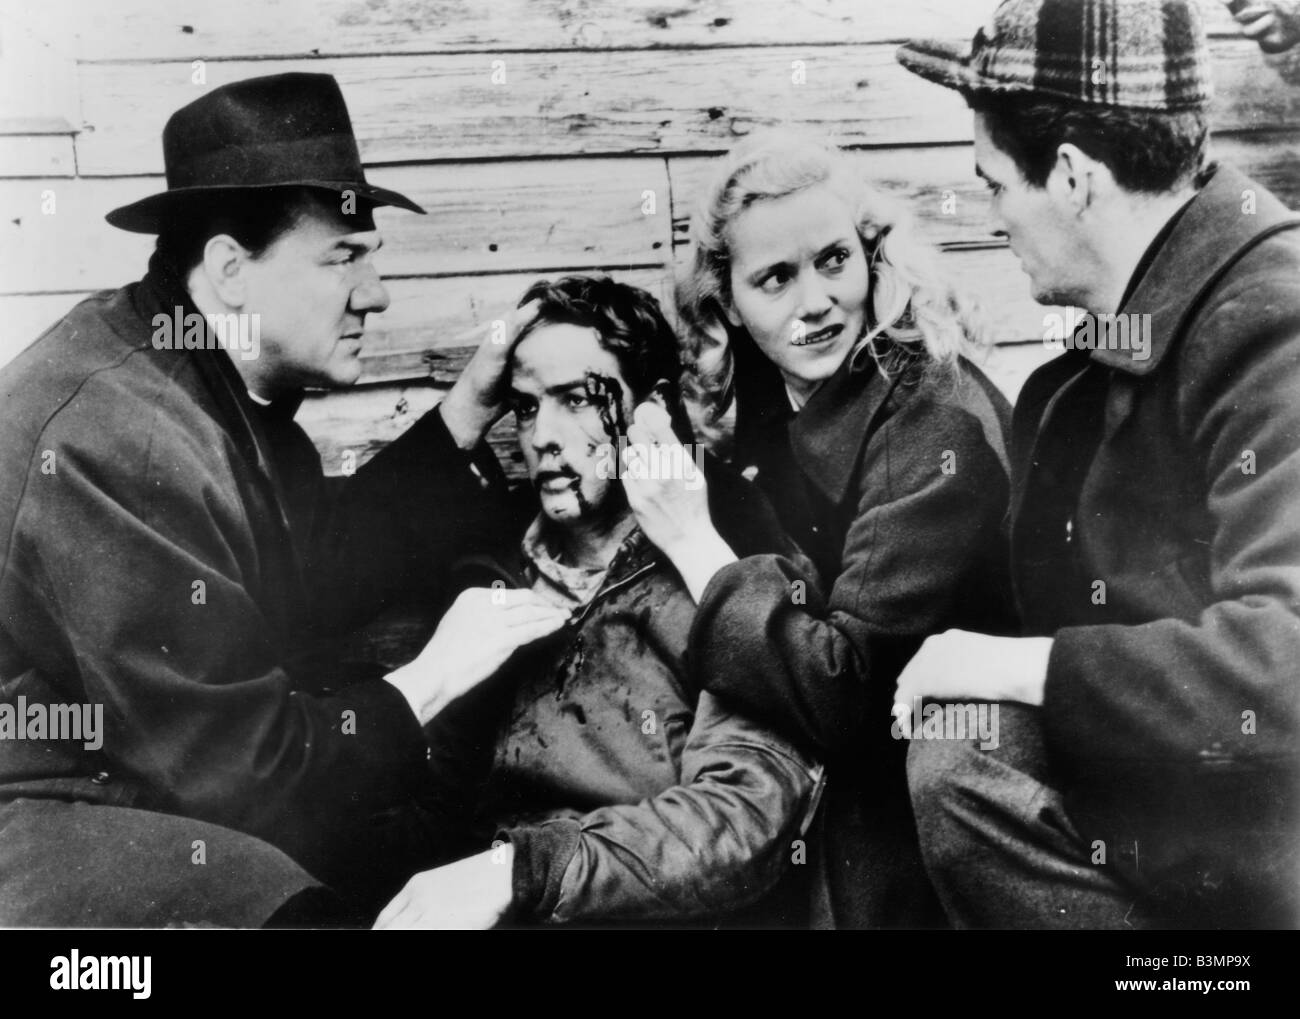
(224, 263)
(1077, 178)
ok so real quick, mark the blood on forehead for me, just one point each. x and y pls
(607, 394)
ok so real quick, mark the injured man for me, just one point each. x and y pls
(591, 779)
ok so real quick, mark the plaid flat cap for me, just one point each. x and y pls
(1141, 54)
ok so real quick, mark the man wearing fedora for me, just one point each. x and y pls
(172, 555)
(1147, 770)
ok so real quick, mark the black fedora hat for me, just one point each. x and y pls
(277, 131)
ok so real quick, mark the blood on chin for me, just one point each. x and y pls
(566, 504)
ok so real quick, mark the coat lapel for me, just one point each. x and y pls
(829, 432)
(225, 393)
(1207, 240)
(1213, 233)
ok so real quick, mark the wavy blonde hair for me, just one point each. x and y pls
(914, 315)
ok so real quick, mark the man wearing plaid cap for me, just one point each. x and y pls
(1146, 773)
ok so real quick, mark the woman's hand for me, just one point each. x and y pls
(666, 491)
(481, 630)
(477, 400)
(470, 894)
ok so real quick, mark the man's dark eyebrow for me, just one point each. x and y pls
(565, 387)
(979, 172)
(556, 390)
(360, 246)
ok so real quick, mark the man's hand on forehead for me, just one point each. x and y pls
(478, 398)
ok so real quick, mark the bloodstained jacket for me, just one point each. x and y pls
(627, 792)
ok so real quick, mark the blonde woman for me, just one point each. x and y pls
(830, 363)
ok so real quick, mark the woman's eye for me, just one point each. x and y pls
(994, 188)
(773, 283)
(576, 401)
(836, 259)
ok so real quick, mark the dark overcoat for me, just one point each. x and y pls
(897, 488)
(1157, 538)
(172, 552)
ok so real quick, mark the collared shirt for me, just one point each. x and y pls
(1153, 249)
(570, 587)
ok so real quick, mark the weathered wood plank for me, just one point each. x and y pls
(532, 215)
(70, 248)
(37, 155)
(138, 30)
(244, 28)
(38, 68)
(26, 125)
(528, 215)
(951, 205)
(25, 318)
(446, 107)
(364, 420)
(427, 316)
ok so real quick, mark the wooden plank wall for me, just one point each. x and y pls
(546, 171)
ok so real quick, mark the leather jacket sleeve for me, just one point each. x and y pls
(716, 842)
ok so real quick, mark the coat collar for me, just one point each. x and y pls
(1209, 236)
(828, 434)
(247, 423)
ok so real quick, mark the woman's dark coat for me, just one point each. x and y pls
(897, 488)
